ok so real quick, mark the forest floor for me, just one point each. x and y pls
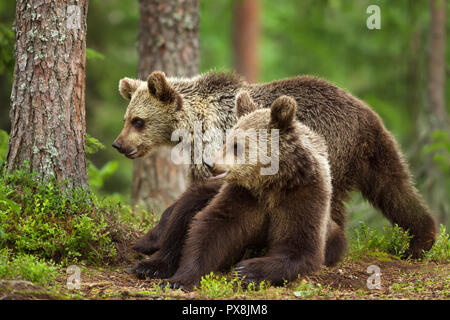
(400, 279)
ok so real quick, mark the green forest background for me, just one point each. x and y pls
(387, 68)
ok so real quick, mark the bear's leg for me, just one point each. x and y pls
(296, 240)
(219, 235)
(150, 242)
(282, 263)
(386, 182)
(336, 244)
(164, 262)
(338, 210)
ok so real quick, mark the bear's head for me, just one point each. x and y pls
(251, 153)
(150, 117)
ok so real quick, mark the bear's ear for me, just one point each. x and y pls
(282, 112)
(160, 88)
(127, 87)
(244, 104)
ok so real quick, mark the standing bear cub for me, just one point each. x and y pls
(287, 211)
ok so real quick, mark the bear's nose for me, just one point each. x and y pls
(117, 146)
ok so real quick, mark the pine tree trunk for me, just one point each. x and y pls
(246, 31)
(47, 100)
(435, 186)
(168, 41)
(436, 62)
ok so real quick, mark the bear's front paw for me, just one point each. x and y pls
(247, 274)
(150, 269)
(176, 285)
(419, 245)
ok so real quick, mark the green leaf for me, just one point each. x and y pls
(93, 145)
(4, 138)
(92, 54)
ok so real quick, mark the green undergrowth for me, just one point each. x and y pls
(44, 226)
(393, 242)
(213, 286)
(219, 286)
(26, 267)
(440, 252)
(62, 225)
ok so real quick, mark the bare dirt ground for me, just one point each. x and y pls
(399, 280)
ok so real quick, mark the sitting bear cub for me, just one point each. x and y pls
(288, 211)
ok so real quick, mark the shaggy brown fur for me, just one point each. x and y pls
(289, 212)
(168, 237)
(176, 218)
(363, 155)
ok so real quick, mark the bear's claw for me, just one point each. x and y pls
(172, 285)
(147, 269)
(244, 275)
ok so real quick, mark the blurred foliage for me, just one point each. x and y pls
(386, 68)
(3, 144)
(92, 54)
(97, 176)
(439, 148)
(6, 49)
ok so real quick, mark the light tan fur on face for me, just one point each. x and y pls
(168, 104)
(293, 136)
(158, 116)
(247, 136)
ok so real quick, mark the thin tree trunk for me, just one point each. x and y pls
(434, 184)
(436, 62)
(47, 100)
(246, 30)
(168, 41)
(414, 100)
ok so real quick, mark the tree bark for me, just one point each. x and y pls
(47, 100)
(246, 30)
(436, 60)
(435, 186)
(168, 41)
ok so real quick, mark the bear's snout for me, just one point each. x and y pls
(118, 146)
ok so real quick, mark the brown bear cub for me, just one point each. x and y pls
(286, 210)
(363, 155)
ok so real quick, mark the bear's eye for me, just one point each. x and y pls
(138, 123)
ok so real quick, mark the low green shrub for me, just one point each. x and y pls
(395, 240)
(64, 225)
(215, 286)
(26, 267)
(43, 220)
(307, 290)
(67, 226)
(392, 239)
(218, 286)
(440, 252)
